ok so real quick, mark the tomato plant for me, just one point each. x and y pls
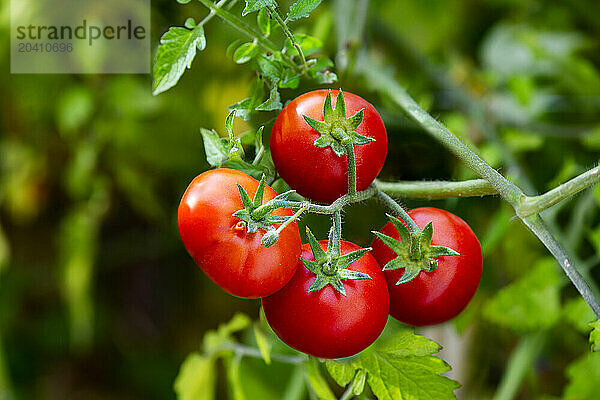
(221, 244)
(326, 323)
(435, 296)
(307, 149)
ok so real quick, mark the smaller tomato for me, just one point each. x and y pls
(325, 323)
(220, 243)
(439, 295)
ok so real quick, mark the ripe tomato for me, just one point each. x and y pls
(325, 323)
(220, 244)
(437, 296)
(318, 173)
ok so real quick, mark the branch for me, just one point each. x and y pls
(437, 189)
(535, 204)
(510, 192)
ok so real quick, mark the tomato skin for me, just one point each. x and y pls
(437, 296)
(219, 243)
(318, 173)
(325, 323)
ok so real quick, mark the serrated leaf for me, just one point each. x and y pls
(263, 20)
(256, 5)
(245, 53)
(584, 378)
(271, 67)
(399, 368)
(529, 304)
(196, 378)
(316, 381)
(175, 54)
(595, 335)
(273, 102)
(215, 148)
(302, 9)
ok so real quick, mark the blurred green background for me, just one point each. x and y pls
(98, 298)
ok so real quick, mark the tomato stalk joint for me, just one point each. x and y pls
(414, 251)
(330, 267)
(338, 131)
(257, 215)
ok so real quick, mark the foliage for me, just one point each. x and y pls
(99, 299)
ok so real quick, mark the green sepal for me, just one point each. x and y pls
(260, 218)
(414, 251)
(336, 127)
(329, 267)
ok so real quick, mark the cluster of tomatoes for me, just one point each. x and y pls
(327, 298)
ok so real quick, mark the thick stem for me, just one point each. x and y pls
(535, 204)
(387, 85)
(253, 352)
(398, 210)
(350, 157)
(437, 189)
(536, 224)
(510, 192)
(347, 395)
(212, 12)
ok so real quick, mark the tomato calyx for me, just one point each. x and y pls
(336, 130)
(330, 267)
(415, 253)
(257, 215)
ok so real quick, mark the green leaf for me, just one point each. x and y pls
(263, 19)
(584, 378)
(233, 364)
(401, 367)
(272, 103)
(316, 380)
(263, 344)
(245, 108)
(256, 5)
(246, 52)
(308, 44)
(214, 339)
(271, 67)
(175, 53)
(530, 303)
(196, 378)
(215, 147)
(595, 335)
(302, 9)
(190, 23)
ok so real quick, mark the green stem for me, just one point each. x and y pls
(437, 189)
(509, 191)
(253, 352)
(293, 217)
(537, 226)
(333, 207)
(243, 27)
(398, 210)
(351, 160)
(347, 395)
(289, 35)
(519, 365)
(337, 233)
(212, 12)
(535, 204)
(387, 85)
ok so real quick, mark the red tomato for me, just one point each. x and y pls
(437, 296)
(318, 173)
(219, 243)
(325, 323)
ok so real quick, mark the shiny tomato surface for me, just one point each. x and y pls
(325, 323)
(318, 173)
(437, 296)
(220, 244)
